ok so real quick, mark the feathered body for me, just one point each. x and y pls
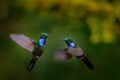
(36, 47)
(73, 50)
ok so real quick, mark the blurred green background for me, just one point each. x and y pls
(93, 24)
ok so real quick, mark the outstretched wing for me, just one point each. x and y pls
(62, 55)
(77, 51)
(23, 41)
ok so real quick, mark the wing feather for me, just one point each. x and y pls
(62, 55)
(23, 41)
(77, 51)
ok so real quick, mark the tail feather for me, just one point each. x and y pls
(88, 63)
(31, 64)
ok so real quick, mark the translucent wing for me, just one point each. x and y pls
(62, 55)
(77, 51)
(23, 41)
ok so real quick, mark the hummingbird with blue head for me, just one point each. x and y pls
(73, 50)
(36, 47)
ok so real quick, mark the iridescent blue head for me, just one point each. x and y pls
(69, 42)
(42, 39)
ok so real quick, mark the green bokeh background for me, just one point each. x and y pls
(93, 24)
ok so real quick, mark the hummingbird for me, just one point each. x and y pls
(73, 50)
(36, 47)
